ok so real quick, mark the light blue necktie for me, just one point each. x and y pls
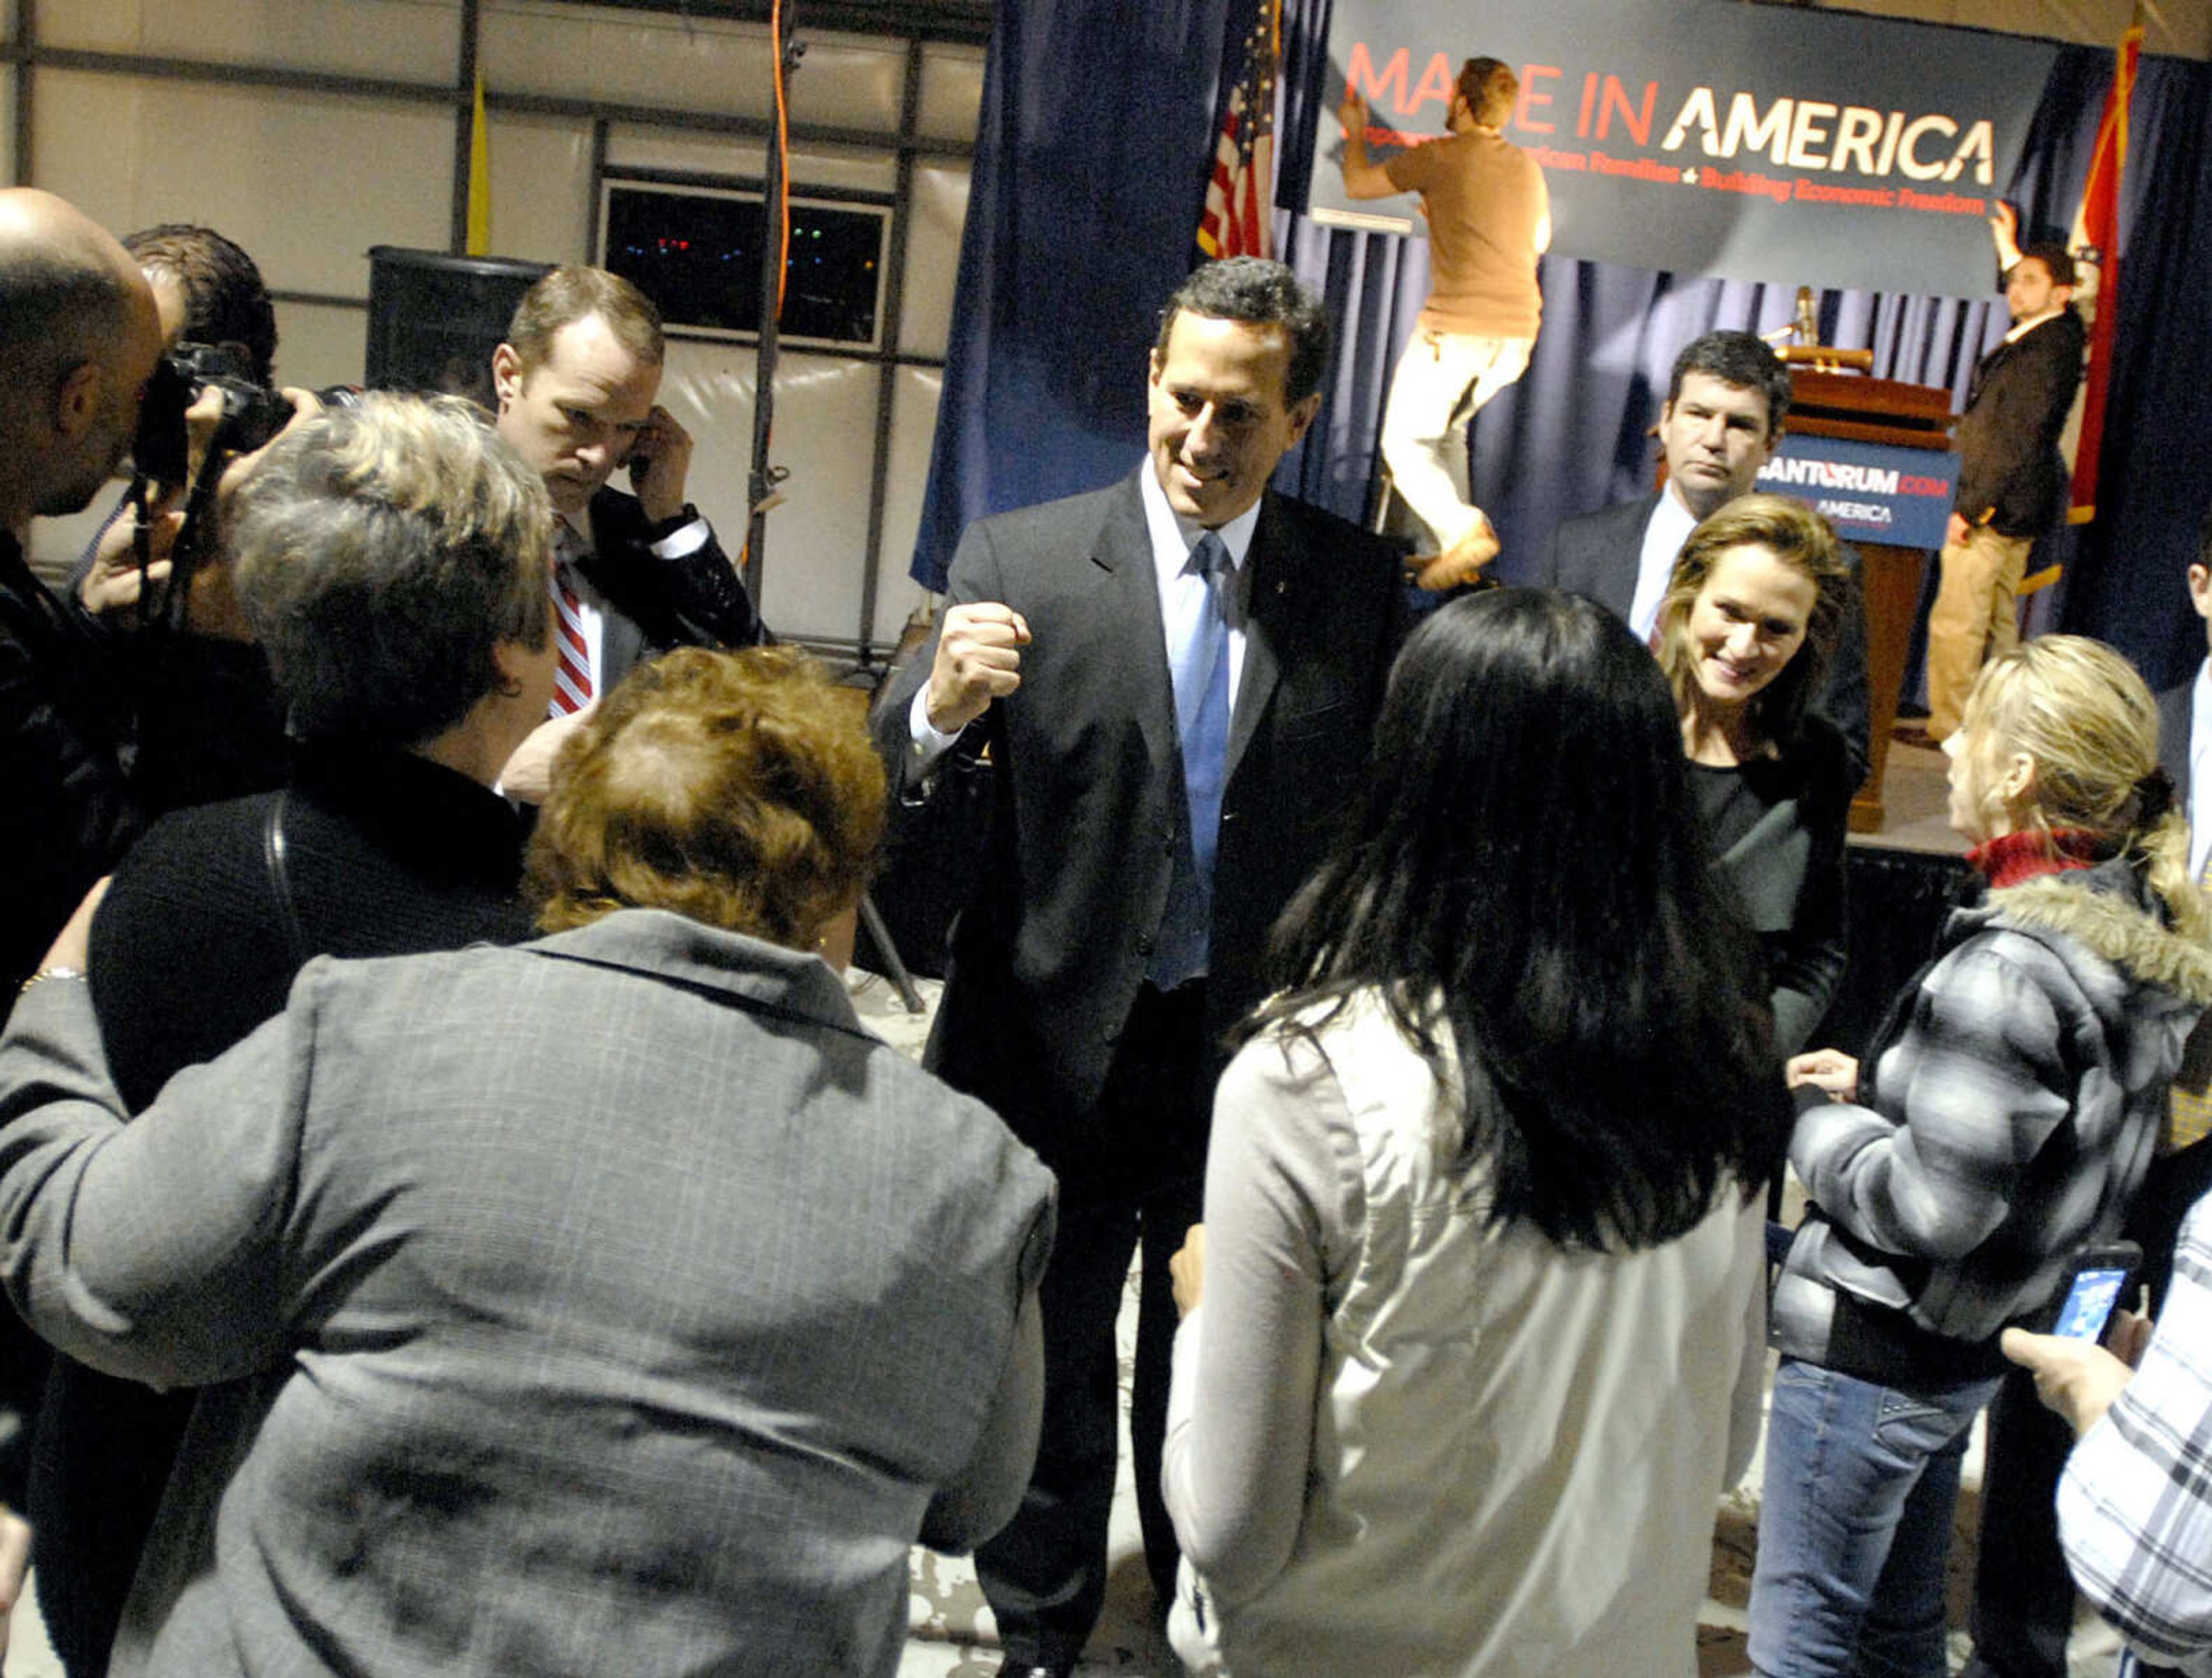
(1200, 672)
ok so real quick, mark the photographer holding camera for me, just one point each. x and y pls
(208, 293)
(205, 723)
(80, 338)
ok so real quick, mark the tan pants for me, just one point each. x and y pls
(1975, 608)
(1442, 382)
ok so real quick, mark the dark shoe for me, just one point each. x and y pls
(1915, 734)
(1012, 1668)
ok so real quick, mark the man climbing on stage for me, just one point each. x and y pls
(1490, 218)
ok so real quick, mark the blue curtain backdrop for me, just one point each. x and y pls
(1089, 169)
(1085, 191)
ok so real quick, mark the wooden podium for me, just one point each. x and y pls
(1890, 414)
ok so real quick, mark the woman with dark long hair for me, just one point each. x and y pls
(1746, 632)
(1480, 1341)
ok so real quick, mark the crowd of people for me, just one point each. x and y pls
(473, 1233)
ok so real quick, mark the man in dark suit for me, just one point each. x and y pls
(1726, 402)
(1174, 679)
(2012, 478)
(634, 575)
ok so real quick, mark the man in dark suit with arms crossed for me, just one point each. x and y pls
(1117, 924)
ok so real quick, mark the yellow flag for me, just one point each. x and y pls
(479, 178)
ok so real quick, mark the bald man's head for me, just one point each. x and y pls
(79, 334)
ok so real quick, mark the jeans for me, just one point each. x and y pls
(1855, 1524)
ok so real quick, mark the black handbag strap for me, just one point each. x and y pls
(280, 879)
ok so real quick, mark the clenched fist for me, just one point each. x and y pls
(979, 659)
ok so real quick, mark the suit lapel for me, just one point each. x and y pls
(1619, 567)
(1124, 552)
(1277, 566)
(622, 647)
(621, 631)
(2176, 719)
(620, 564)
(601, 561)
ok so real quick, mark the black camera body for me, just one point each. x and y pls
(251, 413)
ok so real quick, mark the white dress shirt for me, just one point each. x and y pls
(2200, 771)
(592, 607)
(1664, 532)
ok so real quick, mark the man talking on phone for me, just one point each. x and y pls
(634, 574)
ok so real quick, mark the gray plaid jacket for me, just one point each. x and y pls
(2009, 1107)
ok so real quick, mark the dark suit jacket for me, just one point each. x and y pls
(2007, 439)
(65, 816)
(2175, 724)
(1596, 554)
(698, 600)
(1087, 785)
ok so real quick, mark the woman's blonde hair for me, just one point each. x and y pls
(1799, 539)
(727, 787)
(2083, 714)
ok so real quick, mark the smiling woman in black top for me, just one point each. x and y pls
(1744, 635)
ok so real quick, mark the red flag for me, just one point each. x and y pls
(2098, 227)
(1239, 220)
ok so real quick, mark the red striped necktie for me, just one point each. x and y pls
(572, 681)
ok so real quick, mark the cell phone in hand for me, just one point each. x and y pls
(2101, 1278)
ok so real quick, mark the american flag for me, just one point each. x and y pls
(1239, 218)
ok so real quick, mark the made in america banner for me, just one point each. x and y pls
(1710, 137)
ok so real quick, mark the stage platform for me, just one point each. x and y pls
(1916, 805)
(1902, 881)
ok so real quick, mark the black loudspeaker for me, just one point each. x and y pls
(433, 320)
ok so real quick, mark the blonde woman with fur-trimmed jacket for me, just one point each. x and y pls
(2008, 1109)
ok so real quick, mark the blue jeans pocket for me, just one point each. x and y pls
(1909, 1430)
